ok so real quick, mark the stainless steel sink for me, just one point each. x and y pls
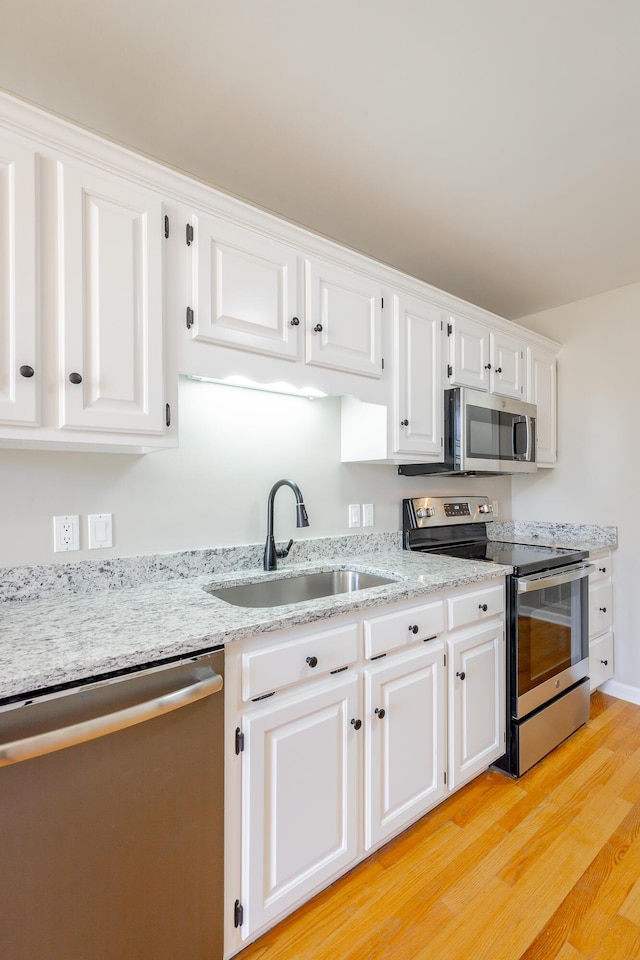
(307, 586)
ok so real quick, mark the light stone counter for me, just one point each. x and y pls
(67, 636)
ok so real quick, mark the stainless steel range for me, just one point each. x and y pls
(546, 619)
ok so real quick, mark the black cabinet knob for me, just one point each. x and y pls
(318, 328)
(381, 712)
(295, 322)
(603, 609)
(312, 661)
(356, 723)
(498, 369)
(413, 627)
(404, 423)
(602, 569)
(487, 366)
(75, 378)
(483, 607)
(461, 675)
(605, 663)
(26, 371)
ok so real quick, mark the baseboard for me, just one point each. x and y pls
(623, 691)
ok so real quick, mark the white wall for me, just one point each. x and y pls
(212, 490)
(597, 478)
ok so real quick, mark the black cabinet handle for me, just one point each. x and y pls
(601, 569)
(295, 322)
(318, 328)
(312, 661)
(498, 369)
(404, 423)
(483, 607)
(413, 627)
(605, 663)
(356, 724)
(487, 366)
(603, 609)
(26, 371)
(75, 378)
(461, 675)
(381, 712)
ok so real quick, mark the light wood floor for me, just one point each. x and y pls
(542, 867)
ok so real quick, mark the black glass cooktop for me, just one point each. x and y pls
(525, 558)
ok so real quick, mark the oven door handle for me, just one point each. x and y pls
(542, 581)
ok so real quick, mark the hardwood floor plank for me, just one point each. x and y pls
(542, 868)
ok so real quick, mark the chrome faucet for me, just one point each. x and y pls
(271, 554)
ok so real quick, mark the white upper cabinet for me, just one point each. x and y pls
(507, 371)
(245, 291)
(344, 320)
(469, 347)
(417, 374)
(110, 295)
(20, 371)
(542, 390)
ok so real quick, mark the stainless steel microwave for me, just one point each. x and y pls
(483, 434)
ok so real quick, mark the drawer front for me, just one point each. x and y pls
(601, 659)
(600, 607)
(270, 668)
(401, 627)
(603, 569)
(477, 606)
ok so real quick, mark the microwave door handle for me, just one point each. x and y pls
(516, 421)
(528, 454)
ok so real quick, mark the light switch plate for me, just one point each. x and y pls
(367, 515)
(100, 530)
(354, 514)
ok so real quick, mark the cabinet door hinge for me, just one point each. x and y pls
(382, 302)
(239, 741)
(449, 370)
(238, 914)
(167, 414)
(189, 234)
(166, 227)
(189, 318)
(449, 329)
(383, 363)
(445, 776)
(445, 659)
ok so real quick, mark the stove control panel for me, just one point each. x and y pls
(444, 511)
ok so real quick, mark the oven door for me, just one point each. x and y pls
(551, 635)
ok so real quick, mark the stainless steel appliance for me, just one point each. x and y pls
(111, 818)
(546, 618)
(483, 434)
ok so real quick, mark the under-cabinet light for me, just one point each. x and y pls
(280, 386)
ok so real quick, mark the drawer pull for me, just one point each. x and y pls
(312, 661)
(605, 663)
(483, 607)
(356, 724)
(26, 371)
(381, 712)
(603, 609)
(413, 627)
(602, 569)
(461, 675)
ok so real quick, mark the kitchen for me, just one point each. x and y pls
(193, 497)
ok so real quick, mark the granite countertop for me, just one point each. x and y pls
(64, 637)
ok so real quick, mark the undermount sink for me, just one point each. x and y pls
(306, 586)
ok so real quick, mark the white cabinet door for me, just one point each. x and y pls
(542, 390)
(244, 289)
(469, 362)
(476, 668)
(20, 371)
(507, 371)
(111, 362)
(600, 660)
(417, 377)
(405, 740)
(344, 320)
(300, 797)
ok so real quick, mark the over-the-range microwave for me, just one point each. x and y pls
(483, 434)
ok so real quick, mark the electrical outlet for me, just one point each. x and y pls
(367, 515)
(496, 512)
(354, 514)
(66, 534)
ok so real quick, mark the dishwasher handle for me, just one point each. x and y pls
(540, 581)
(40, 744)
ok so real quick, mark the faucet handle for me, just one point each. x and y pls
(285, 552)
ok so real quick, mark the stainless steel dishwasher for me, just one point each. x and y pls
(111, 818)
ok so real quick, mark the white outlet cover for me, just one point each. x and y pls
(354, 514)
(66, 534)
(367, 515)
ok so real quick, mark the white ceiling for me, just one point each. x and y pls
(490, 147)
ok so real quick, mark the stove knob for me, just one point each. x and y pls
(423, 512)
(485, 508)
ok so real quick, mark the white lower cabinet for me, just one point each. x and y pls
(601, 621)
(300, 790)
(339, 738)
(405, 737)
